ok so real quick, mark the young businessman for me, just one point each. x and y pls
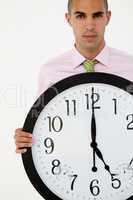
(88, 19)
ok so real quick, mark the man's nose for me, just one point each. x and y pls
(90, 24)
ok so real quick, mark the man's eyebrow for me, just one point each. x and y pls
(79, 13)
(98, 12)
(83, 13)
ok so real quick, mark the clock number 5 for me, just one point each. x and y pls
(116, 183)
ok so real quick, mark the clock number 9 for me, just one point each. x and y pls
(130, 124)
(55, 124)
(95, 190)
(56, 169)
(49, 144)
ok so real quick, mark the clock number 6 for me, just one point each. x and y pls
(95, 190)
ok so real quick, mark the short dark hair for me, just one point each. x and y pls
(71, 1)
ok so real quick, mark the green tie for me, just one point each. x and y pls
(89, 65)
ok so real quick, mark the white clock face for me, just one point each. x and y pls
(62, 152)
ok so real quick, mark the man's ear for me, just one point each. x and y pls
(108, 17)
(68, 18)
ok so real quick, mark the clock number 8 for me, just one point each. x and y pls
(56, 169)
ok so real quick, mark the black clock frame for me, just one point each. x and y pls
(43, 100)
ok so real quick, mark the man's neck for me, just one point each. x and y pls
(90, 54)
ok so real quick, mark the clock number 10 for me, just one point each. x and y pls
(55, 124)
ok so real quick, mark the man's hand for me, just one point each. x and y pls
(22, 140)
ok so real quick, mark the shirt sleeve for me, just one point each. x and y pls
(44, 80)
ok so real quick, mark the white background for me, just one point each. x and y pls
(31, 32)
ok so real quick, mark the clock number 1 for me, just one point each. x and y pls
(115, 106)
(55, 124)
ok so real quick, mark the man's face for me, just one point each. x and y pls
(88, 19)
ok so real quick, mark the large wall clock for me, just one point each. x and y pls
(83, 139)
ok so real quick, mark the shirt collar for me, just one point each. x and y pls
(102, 57)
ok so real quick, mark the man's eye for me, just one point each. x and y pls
(80, 16)
(98, 15)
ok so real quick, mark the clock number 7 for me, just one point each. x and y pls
(73, 181)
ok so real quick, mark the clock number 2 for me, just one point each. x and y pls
(130, 124)
(55, 124)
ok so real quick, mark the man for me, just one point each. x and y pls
(88, 19)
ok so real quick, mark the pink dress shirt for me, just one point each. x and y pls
(110, 60)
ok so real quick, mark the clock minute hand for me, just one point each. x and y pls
(93, 136)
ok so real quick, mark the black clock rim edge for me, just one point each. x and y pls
(41, 102)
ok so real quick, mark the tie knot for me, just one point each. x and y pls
(89, 65)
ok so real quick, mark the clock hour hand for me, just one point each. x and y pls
(100, 156)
